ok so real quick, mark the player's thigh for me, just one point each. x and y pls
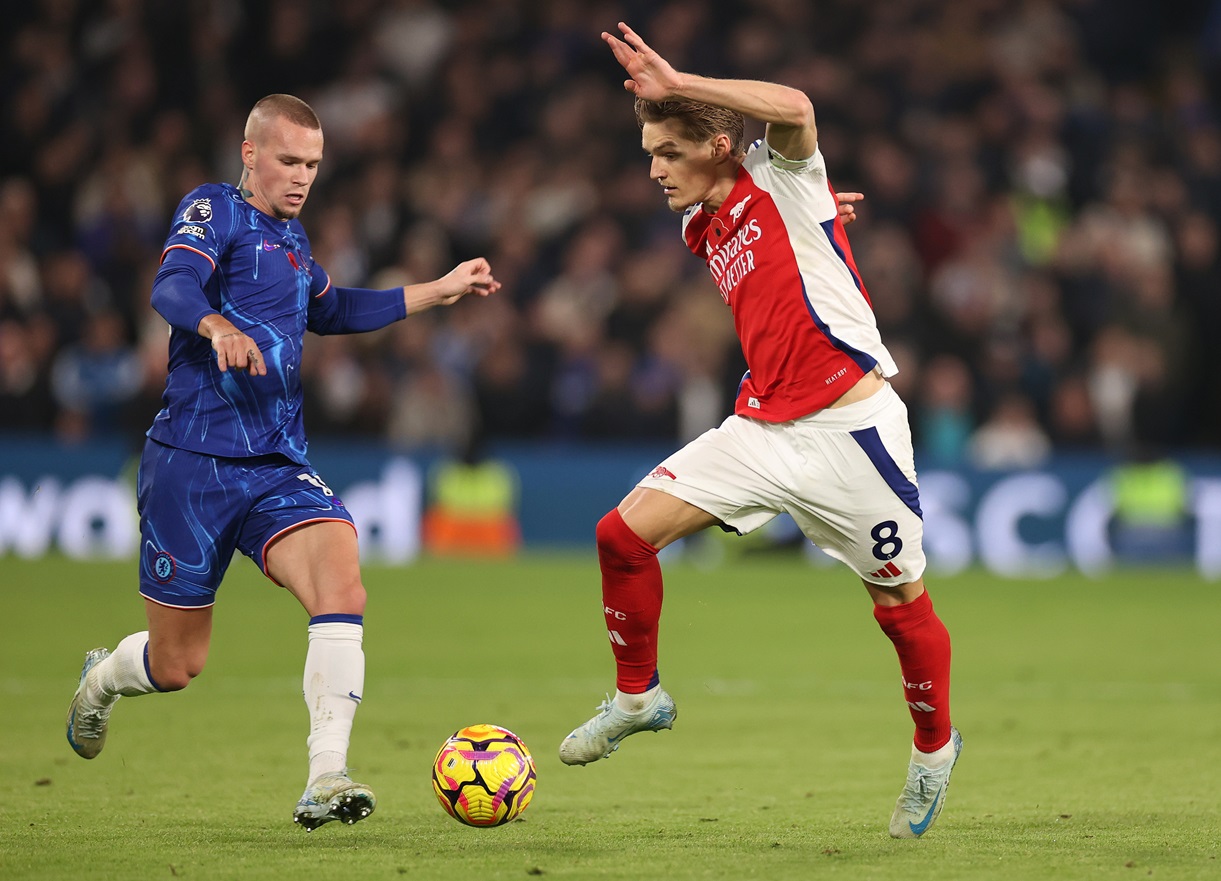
(303, 538)
(736, 474)
(319, 564)
(191, 511)
(660, 518)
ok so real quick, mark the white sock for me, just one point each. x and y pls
(934, 759)
(333, 685)
(123, 673)
(634, 703)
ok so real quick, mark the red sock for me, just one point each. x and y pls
(923, 645)
(631, 600)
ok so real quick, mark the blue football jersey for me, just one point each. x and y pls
(264, 281)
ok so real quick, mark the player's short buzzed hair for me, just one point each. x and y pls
(287, 107)
(698, 122)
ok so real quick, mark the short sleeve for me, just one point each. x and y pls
(812, 164)
(203, 223)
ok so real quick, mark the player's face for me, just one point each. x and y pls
(282, 165)
(686, 169)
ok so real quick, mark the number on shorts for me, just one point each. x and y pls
(315, 480)
(886, 535)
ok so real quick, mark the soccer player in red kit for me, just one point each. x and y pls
(817, 432)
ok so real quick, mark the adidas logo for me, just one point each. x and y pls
(890, 570)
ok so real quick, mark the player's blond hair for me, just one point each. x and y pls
(287, 107)
(697, 121)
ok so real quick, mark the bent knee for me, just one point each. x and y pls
(353, 595)
(617, 541)
(347, 598)
(609, 532)
(604, 531)
(174, 677)
(895, 594)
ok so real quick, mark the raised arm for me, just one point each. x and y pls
(470, 277)
(357, 310)
(789, 115)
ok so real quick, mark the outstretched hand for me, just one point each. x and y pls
(847, 210)
(469, 277)
(651, 76)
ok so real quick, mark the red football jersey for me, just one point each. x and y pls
(780, 257)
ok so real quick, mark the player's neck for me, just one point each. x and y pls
(717, 196)
(255, 200)
(242, 189)
(721, 188)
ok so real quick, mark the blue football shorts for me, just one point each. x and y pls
(195, 510)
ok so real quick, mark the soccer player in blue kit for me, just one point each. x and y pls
(225, 466)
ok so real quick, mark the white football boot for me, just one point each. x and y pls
(333, 797)
(923, 796)
(87, 722)
(601, 735)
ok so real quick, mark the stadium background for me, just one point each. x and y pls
(1039, 239)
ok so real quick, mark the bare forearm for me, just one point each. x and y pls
(469, 277)
(768, 102)
(214, 325)
(423, 296)
(788, 112)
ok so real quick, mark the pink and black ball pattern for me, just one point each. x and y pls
(484, 776)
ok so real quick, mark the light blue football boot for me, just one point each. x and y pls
(601, 735)
(923, 796)
(87, 722)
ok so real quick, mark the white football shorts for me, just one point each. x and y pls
(847, 476)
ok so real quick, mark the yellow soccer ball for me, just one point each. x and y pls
(483, 775)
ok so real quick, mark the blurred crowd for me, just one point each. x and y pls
(1039, 236)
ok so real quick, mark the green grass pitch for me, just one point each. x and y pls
(1090, 709)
